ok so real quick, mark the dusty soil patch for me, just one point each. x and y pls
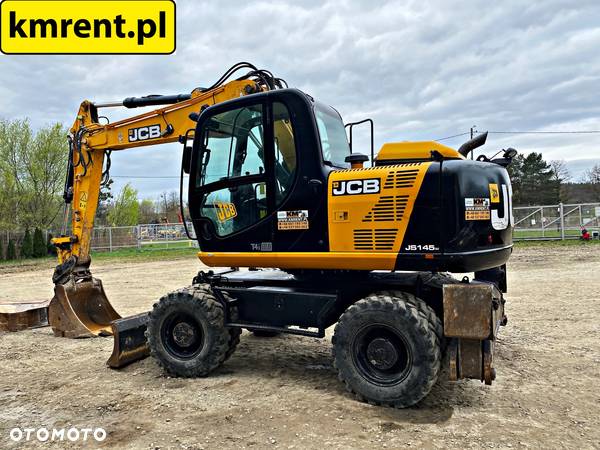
(283, 392)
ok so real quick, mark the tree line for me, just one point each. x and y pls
(537, 182)
(32, 175)
(126, 209)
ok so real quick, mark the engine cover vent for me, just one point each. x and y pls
(379, 239)
(399, 179)
(389, 208)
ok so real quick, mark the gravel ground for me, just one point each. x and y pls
(283, 392)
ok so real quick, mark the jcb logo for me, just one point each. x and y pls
(225, 211)
(502, 223)
(143, 133)
(356, 187)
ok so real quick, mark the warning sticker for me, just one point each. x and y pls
(477, 209)
(292, 220)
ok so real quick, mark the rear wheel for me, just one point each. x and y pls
(387, 350)
(186, 332)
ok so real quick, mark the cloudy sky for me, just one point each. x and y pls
(422, 70)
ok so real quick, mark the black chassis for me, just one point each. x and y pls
(274, 300)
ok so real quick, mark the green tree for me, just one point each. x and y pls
(147, 211)
(27, 245)
(11, 250)
(515, 171)
(32, 173)
(39, 246)
(534, 181)
(50, 248)
(125, 209)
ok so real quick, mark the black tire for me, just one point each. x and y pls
(387, 350)
(186, 332)
(419, 304)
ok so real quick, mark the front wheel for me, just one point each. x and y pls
(387, 350)
(186, 332)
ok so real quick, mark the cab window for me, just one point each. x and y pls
(232, 176)
(232, 146)
(285, 151)
(236, 207)
(334, 142)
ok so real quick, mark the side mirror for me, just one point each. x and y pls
(186, 159)
(507, 157)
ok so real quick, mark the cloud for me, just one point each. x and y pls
(421, 70)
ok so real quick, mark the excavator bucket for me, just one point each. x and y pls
(129, 341)
(81, 309)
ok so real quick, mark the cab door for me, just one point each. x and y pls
(232, 163)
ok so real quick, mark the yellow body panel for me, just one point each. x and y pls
(301, 260)
(373, 222)
(415, 150)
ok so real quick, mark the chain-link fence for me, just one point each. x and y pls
(147, 237)
(144, 237)
(556, 222)
(16, 237)
(548, 222)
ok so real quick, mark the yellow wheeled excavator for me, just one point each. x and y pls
(309, 237)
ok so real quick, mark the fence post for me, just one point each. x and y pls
(543, 222)
(138, 234)
(110, 239)
(562, 221)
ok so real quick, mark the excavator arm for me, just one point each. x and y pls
(91, 142)
(80, 307)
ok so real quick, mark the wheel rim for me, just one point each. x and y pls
(381, 355)
(182, 335)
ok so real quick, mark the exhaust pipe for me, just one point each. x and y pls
(471, 145)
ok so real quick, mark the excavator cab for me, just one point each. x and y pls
(259, 171)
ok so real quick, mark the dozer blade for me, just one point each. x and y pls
(81, 309)
(129, 341)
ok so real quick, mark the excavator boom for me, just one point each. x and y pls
(80, 307)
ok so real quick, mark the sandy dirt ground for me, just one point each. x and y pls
(283, 392)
